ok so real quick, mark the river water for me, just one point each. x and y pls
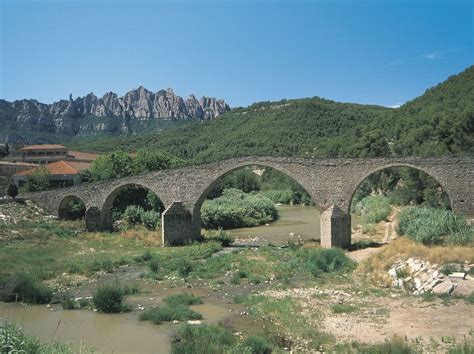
(296, 222)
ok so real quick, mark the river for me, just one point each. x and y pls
(296, 222)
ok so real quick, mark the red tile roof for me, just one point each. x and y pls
(60, 168)
(43, 147)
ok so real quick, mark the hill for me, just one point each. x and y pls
(439, 122)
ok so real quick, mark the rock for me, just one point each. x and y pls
(457, 276)
(464, 288)
(446, 287)
(68, 117)
(194, 322)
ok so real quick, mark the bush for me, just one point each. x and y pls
(373, 208)
(256, 345)
(237, 209)
(151, 219)
(434, 226)
(221, 236)
(109, 298)
(11, 190)
(135, 215)
(204, 339)
(319, 261)
(154, 265)
(183, 299)
(169, 313)
(24, 287)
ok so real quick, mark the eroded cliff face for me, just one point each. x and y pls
(90, 114)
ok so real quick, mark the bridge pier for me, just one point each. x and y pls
(93, 219)
(177, 225)
(335, 228)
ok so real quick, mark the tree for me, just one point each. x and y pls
(115, 165)
(12, 190)
(37, 181)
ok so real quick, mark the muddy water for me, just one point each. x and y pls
(107, 333)
(295, 222)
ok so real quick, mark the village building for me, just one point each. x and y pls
(47, 153)
(61, 173)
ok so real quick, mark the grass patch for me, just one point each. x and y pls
(434, 226)
(319, 261)
(183, 299)
(25, 288)
(169, 313)
(343, 308)
(14, 340)
(221, 236)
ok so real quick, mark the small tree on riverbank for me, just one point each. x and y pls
(12, 190)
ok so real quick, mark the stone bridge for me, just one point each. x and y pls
(330, 182)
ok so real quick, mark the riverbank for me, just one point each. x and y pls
(271, 291)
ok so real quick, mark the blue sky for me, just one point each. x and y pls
(377, 52)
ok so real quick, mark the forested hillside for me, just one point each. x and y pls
(437, 123)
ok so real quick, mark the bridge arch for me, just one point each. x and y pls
(71, 207)
(226, 170)
(436, 177)
(108, 204)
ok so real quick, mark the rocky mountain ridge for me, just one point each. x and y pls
(111, 113)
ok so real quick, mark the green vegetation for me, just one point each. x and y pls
(109, 298)
(135, 215)
(403, 186)
(176, 308)
(343, 308)
(25, 288)
(219, 235)
(237, 209)
(322, 261)
(121, 164)
(434, 226)
(14, 340)
(11, 190)
(183, 299)
(168, 313)
(211, 339)
(73, 210)
(373, 208)
(37, 181)
(437, 123)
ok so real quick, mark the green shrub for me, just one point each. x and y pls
(237, 209)
(145, 257)
(183, 299)
(133, 214)
(154, 265)
(373, 208)
(11, 190)
(169, 313)
(434, 226)
(151, 219)
(24, 287)
(184, 267)
(204, 339)
(109, 298)
(318, 261)
(256, 345)
(221, 236)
